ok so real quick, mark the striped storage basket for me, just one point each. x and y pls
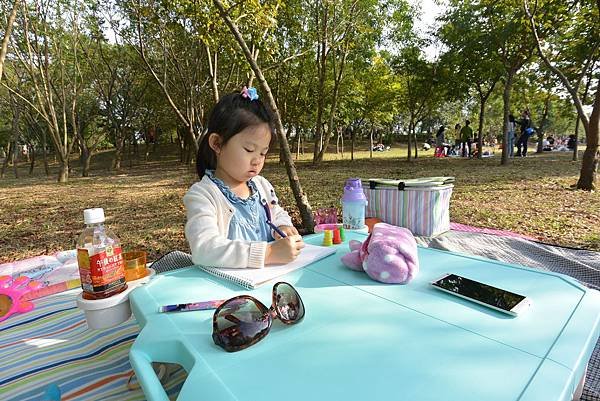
(421, 205)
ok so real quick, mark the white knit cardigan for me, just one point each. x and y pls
(208, 216)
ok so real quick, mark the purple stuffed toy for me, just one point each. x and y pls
(389, 254)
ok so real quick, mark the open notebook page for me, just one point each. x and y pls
(252, 278)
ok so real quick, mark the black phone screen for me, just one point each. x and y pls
(487, 294)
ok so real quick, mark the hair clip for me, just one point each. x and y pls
(249, 93)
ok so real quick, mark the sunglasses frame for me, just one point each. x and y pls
(271, 313)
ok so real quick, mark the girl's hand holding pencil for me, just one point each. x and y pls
(286, 230)
(284, 250)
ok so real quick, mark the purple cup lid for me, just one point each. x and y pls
(353, 191)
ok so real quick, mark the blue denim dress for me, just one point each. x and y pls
(249, 220)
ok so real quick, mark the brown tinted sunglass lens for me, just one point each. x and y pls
(241, 322)
(288, 305)
(5, 304)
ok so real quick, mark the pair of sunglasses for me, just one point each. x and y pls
(242, 321)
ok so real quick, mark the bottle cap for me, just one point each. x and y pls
(92, 216)
(353, 191)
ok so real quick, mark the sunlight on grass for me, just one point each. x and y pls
(143, 204)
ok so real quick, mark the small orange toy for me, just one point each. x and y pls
(371, 221)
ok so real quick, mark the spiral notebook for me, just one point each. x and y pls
(252, 278)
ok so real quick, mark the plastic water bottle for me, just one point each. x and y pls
(354, 203)
(99, 257)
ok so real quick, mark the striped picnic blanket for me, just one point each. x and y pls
(53, 345)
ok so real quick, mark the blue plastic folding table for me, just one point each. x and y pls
(363, 340)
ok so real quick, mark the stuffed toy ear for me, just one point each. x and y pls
(354, 245)
(353, 259)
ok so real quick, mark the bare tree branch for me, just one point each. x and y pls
(299, 195)
(572, 90)
(9, 25)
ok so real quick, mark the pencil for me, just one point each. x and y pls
(277, 230)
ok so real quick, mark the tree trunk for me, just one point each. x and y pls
(410, 132)
(540, 130)
(15, 129)
(120, 143)
(194, 145)
(298, 140)
(575, 152)
(31, 158)
(334, 99)
(189, 150)
(84, 161)
(180, 144)
(85, 168)
(299, 195)
(281, 156)
(371, 142)
(480, 130)
(63, 173)
(6, 159)
(506, 101)
(589, 164)
(84, 156)
(416, 146)
(322, 66)
(352, 136)
(212, 72)
(15, 158)
(591, 155)
(5, 40)
(483, 97)
(44, 152)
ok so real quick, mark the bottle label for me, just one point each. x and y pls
(101, 271)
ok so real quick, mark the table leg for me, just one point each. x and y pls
(579, 389)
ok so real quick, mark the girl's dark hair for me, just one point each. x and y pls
(230, 116)
(511, 118)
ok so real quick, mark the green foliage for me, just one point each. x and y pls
(387, 82)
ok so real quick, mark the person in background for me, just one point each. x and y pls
(526, 132)
(440, 141)
(546, 145)
(457, 137)
(466, 137)
(233, 215)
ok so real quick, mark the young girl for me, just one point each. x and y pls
(233, 214)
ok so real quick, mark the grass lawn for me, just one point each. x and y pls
(143, 201)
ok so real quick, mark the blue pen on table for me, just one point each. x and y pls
(205, 305)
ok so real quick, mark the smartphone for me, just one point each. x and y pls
(484, 294)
